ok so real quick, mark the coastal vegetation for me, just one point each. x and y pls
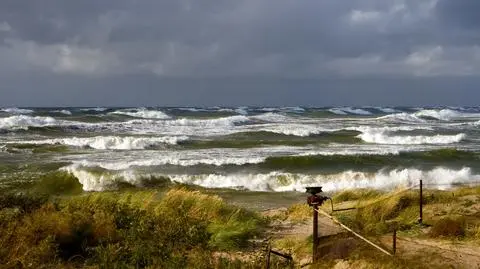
(55, 224)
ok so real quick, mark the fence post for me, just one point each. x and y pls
(420, 219)
(394, 240)
(269, 248)
(315, 233)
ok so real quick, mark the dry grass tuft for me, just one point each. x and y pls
(448, 227)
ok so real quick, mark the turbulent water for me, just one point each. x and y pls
(253, 148)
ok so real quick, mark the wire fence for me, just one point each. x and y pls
(421, 186)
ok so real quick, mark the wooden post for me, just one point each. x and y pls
(394, 240)
(269, 250)
(420, 219)
(315, 233)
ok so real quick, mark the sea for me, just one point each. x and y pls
(260, 149)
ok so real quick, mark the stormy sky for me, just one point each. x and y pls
(239, 52)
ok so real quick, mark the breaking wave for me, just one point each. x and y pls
(225, 121)
(375, 160)
(445, 114)
(64, 112)
(271, 117)
(281, 182)
(402, 117)
(112, 142)
(23, 122)
(142, 113)
(349, 110)
(383, 137)
(15, 110)
(386, 109)
(95, 109)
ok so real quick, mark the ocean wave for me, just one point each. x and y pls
(384, 137)
(271, 117)
(386, 109)
(293, 109)
(63, 111)
(95, 109)
(99, 180)
(14, 110)
(281, 182)
(300, 130)
(23, 122)
(445, 114)
(172, 159)
(337, 111)
(225, 121)
(402, 117)
(349, 110)
(111, 142)
(241, 110)
(142, 113)
(368, 160)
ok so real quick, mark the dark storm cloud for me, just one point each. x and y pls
(100, 40)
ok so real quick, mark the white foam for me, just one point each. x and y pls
(281, 182)
(445, 114)
(143, 113)
(225, 121)
(383, 137)
(402, 117)
(97, 109)
(338, 111)
(356, 111)
(23, 122)
(98, 181)
(271, 117)
(441, 178)
(241, 111)
(387, 109)
(64, 111)
(302, 130)
(155, 158)
(268, 109)
(294, 109)
(388, 129)
(349, 110)
(112, 142)
(14, 110)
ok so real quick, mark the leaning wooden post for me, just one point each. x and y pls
(269, 250)
(420, 219)
(394, 240)
(315, 233)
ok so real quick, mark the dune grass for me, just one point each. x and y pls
(137, 229)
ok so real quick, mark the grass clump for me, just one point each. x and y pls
(231, 227)
(372, 215)
(358, 194)
(299, 213)
(122, 230)
(449, 227)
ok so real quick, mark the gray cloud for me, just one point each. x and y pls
(279, 39)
